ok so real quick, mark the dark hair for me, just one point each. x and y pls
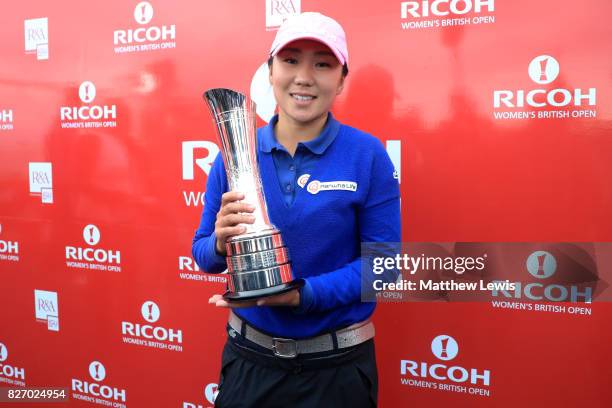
(344, 67)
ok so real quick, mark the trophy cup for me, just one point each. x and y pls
(258, 262)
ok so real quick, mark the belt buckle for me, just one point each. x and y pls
(284, 348)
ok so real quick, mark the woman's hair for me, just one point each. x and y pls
(344, 67)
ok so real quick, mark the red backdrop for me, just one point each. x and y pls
(496, 113)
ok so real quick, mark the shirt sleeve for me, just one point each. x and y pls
(379, 221)
(203, 246)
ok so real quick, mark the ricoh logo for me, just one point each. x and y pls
(37, 37)
(445, 13)
(187, 266)
(277, 11)
(86, 115)
(565, 103)
(41, 181)
(210, 394)
(430, 375)
(6, 119)
(46, 308)
(90, 257)
(144, 38)
(542, 265)
(96, 392)
(9, 250)
(8, 373)
(200, 154)
(151, 336)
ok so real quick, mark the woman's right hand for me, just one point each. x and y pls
(230, 215)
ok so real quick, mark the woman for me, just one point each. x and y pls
(328, 188)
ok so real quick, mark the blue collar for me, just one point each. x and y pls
(318, 145)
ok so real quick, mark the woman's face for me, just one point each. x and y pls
(306, 77)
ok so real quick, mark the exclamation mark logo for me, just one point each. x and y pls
(87, 91)
(543, 64)
(444, 347)
(97, 371)
(91, 235)
(541, 259)
(444, 353)
(541, 264)
(150, 311)
(543, 69)
(143, 16)
(143, 12)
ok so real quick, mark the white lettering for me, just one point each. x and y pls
(98, 390)
(9, 247)
(187, 263)
(93, 255)
(144, 34)
(538, 98)
(88, 112)
(442, 372)
(12, 372)
(150, 332)
(6, 115)
(417, 9)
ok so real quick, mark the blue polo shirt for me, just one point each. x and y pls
(344, 193)
(304, 160)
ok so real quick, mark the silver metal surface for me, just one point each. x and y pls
(234, 115)
(260, 278)
(251, 243)
(258, 259)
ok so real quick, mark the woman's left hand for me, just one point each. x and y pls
(291, 298)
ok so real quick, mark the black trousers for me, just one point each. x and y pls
(252, 377)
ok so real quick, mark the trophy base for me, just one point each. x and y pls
(261, 293)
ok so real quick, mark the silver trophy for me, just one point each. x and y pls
(258, 262)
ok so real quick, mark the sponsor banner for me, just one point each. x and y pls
(97, 391)
(10, 373)
(92, 257)
(156, 336)
(425, 14)
(88, 115)
(277, 11)
(41, 181)
(36, 32)
(545, 100)
(197, 160)
(189, 270)
(445, 375)
(144, 37)
(46, 308)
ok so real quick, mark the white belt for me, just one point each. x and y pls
(290, 348)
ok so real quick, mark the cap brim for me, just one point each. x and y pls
(283, 44)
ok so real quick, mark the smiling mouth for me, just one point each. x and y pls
(302, 97)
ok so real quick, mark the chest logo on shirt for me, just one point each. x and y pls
(303, 179)
(315, 186)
